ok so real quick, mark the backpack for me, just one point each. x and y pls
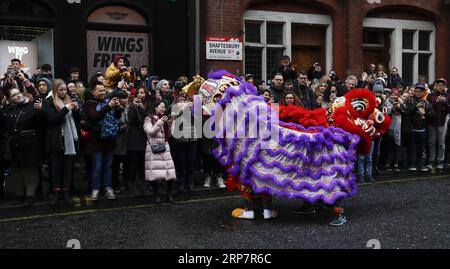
(109, 125)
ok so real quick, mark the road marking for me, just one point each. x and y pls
(92, 211)
(407, 180)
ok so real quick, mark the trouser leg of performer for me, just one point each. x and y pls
(250, 203)
(267, 205)
(249, 212)
(338, 215)
(306, 209)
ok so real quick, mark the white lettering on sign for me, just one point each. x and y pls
(74, 1)
(18, 52)
(224, 48)
(374, 1)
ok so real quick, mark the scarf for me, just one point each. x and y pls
(69, 131)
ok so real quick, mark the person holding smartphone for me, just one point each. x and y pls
(137, 139)
(20, 124)
(159, 165)
(61, 140)
(118, 71)
(394, 139)
(437, 125)
(417, 111)
(97, 109)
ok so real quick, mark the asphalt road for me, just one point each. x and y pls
(409, 214)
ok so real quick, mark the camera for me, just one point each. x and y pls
(12, 72)
(179, 85)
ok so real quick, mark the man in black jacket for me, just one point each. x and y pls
(418, 111)
(394, 79)
(277, 87)
(305, 93)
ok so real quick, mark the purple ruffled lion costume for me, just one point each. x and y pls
(312, 164)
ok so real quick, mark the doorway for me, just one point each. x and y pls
(308, 46)
(376, 47)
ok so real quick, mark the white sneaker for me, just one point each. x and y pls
(247, 215)
(110, 194)
(221, 183)
(207, 182)
(430, 166)
(440, 167)
(270, 214)
(95, 195)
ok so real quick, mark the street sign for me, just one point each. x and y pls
(224, 48)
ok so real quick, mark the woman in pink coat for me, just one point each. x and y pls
(159, 165)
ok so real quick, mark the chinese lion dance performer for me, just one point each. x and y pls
(357, 112)
(312, 162)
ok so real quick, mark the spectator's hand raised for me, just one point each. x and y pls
(114, 102)
(38, 105)
(21, 76)
(122, 84)
(72, 105)
(138, 102)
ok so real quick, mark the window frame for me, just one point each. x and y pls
(287, 19)
(398, 26)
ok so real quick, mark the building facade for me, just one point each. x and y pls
(88, 33)
(342, 35)
(171, 36)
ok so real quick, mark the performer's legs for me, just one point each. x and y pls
(338, 215)
(306, 209)
(247, 213)
(267, 206)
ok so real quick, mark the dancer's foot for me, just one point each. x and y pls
(338, 220)
(306, 209)
(270, 214)
(240, 213)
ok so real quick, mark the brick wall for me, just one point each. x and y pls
(226, 18)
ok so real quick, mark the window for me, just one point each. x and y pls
(373, 37)
(424, 40)
(264, 48)
(416, 56)
(269, 35)
(253, 61)
(32, 45)
(412, 47)
(408, 70)
(273, 60)
(424, 60)
(253, 32)
(408, 40)
(275, 33)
